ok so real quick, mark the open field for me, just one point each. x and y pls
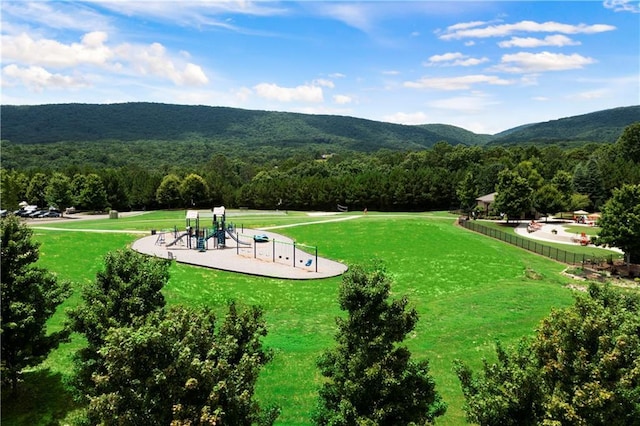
(468, 289)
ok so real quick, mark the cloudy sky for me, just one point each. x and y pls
(483, 66)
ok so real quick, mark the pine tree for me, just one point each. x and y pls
(30, 296)
(371, 377)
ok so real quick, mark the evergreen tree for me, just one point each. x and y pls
(371, 377)
(30, 296)
(127, 289)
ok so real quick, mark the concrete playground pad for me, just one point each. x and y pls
(277, 258)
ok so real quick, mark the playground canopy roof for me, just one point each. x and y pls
(580, 212)
(192, 214)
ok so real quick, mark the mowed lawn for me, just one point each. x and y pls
(469, 290)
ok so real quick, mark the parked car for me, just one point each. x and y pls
(3, 213)
(51, 213)
(261, 238)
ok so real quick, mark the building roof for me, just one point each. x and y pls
(489, 198)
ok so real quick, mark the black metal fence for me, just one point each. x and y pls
(531, 245)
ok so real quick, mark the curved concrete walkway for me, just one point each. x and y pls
(544, 233)
(276, 258)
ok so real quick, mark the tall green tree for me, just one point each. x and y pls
(116, 189)
(194, 190)
(181, 368)
(620, 222)
(36, 191)
(128, 288)
(629, 143)
(548, 199)
(30, 296)
(58, 192)
(371, 378)
(94, 196)
(168, 193)
(13, 188)
(513, 194)
(467, 191)
(581, 368)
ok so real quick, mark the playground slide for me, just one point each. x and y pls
(235, 238)
(177, 239)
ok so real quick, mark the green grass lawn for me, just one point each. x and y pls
(469, 291)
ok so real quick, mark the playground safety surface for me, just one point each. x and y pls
(277, 258)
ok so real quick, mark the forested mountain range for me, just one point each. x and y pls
(599, 126)
(154, 135)
(152, 121)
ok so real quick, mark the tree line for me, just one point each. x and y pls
(145, 363)
(546, 179)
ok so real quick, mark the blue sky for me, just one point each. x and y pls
(483, 66)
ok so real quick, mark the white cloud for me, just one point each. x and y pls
(454, 59)
(623, 5)
(526, 62)
(45, 52)
(391, 72)
(93, 51)
(540, 98)
(37, 78)
(455, 83)
(464, 104)
(243, 94)
(324, 83)
(342, 99)
(557, 40)
(589, 95)
(411, 118)
(456, 32)
(304, 93)
(58, 15)
(353, 14)
(446, 57)
(337, 75)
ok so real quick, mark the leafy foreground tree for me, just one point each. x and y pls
(581, 368)
(30, 296)
(176, 368)
(371, 378)
(620, 222)
(127, 289)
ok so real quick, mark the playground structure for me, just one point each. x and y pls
(250, 251)
(197, 237)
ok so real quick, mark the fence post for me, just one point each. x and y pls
(294, 254)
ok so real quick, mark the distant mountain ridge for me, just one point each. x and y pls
(599, 126)
(140, 121)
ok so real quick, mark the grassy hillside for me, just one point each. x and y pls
(600, 126)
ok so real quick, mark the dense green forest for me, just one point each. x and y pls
(159, 136)
(600, 126)
(325, 161)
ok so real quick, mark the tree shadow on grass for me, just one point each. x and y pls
(42, 399)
